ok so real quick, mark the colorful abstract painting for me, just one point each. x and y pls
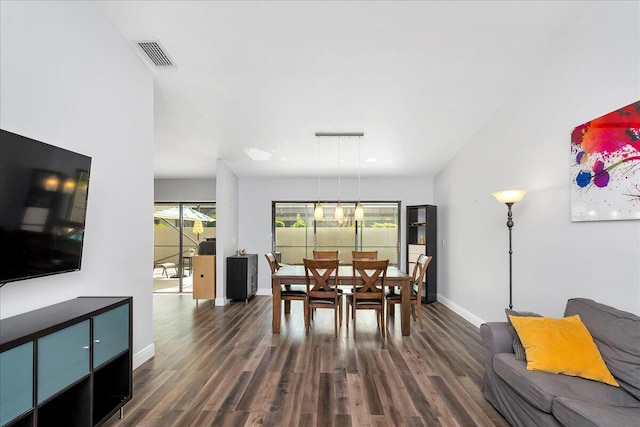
(605, 169)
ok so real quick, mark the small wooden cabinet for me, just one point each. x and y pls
(422, 238)
(242, 276)
(204, 277)
(67, 364)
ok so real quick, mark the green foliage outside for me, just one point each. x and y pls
(299, 222)
(384, 225)
(279, 223)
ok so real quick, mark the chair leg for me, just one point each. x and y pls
(287, 306)
(335, 320)
(307, 318)
(348, 310)
(388, 309)
(419, 309)
(384, 333)
(413, 311)
(353, 313)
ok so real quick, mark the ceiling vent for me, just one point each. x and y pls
(155, 53)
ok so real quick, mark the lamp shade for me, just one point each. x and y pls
(509, 196)
(358, 215)
(318, 212)
(339, 212)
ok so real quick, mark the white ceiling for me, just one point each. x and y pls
(418, 78)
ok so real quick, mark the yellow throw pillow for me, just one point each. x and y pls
(561, 346)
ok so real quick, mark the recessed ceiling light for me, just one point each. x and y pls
(371, 160)
(257, 155)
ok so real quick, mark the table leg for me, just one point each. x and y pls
(406, 308)
(275, 285)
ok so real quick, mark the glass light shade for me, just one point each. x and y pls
(51, 183)
(358, 215)
(68, 186)
(509, 196)
(318, 212)
(339, 212)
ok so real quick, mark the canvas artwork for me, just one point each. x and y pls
(605, 167)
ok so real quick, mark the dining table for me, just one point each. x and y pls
(295, 275)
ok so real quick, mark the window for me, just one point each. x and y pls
(296, 234)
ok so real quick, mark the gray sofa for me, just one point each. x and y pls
(535, 398)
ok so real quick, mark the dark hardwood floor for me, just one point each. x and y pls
(222, 366)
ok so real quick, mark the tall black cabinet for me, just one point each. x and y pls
(422, 226)
(242, 276)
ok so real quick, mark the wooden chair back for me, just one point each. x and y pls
(369, 272)
(273, 262)
(419, 270)
(321, 277)
(331, 255)
(364, 255)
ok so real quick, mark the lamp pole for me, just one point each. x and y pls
(509, 198)
(510, 226)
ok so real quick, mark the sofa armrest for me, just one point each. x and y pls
(496, 338)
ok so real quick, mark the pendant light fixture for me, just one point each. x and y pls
(339, 212)
(318, 212)
(358, 215)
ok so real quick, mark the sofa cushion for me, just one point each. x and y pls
(561, 346)
(574, 412)
(617, 335)
(518, 348)
(541, 388)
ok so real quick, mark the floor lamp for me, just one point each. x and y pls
(509, 198)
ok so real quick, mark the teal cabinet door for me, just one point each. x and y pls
(63, 358)
(16, 382)
(110, 334)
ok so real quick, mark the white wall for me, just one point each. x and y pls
(68, 78)
(227, 224)
(257, 194)
(591, 71)
(184, 190)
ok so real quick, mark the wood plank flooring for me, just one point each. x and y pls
(222, 366)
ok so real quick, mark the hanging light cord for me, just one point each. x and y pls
(359, 169)
(318, 170)
(339, 159)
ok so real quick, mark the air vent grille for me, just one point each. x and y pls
(155, 53)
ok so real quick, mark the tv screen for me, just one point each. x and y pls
(43, 205)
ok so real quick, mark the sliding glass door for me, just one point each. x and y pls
(296, 234)
(178, 230)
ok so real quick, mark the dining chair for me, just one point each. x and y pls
(325, 255)
(288, 293)
(364, 255)
(369, 278)
(322, 289)
(417, 279)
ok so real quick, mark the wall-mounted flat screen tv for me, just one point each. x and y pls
(43, 207)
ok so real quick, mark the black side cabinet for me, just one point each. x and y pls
(67, 364)
(242, 276)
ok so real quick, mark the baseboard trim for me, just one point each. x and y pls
(264, 292)
(466, 315)
(143, 355)
(220, 302)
